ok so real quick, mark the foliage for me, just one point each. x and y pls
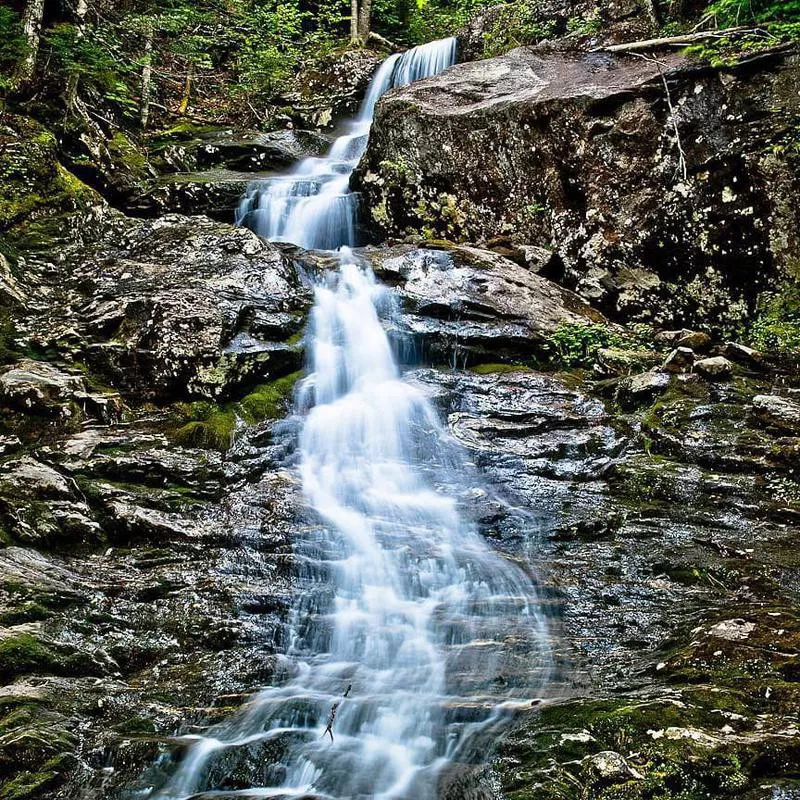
(92, 58)
(8, 351)
(777, 326)
(12, 45)
(778, 22)
(517, 24)
(746, 12)
(576, 344)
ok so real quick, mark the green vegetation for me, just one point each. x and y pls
(776, 328)
(774, 21)
(24, 653)
(517, 24)
(208, 425)
(12, 45)
(498, 369)
(576, 344)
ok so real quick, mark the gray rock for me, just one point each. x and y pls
(610, 767)
(741, 354)
(332, 87)
(644, 388)
(696, 340)
(582, 155)
(175, 307)
(717, 368)
(476, 301)
(613, 361)
(679, 360)
(36, 386)
(777, 412)
(29, 478)
(732, 630)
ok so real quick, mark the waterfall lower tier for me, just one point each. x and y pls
(313, 207)
(405, 643)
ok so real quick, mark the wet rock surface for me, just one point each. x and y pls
(636, 235)
(474, 303)
(176, 307)
(676, 627)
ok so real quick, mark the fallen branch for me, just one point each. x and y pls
(332, 716)
(682, 165)
(385, 42)
(678, 41)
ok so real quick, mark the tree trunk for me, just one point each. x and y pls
(147, 75)
(353, 21)
(81, 10)
(32, 28)
(187, 89)
(677, 9)
(654, 12)
(365, 20)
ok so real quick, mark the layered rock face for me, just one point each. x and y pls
(670, 205)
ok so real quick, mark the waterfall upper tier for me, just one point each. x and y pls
(312, 206)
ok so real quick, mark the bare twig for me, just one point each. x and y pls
(384, 41)
(683, 167)
(332, 716)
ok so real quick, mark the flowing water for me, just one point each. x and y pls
(313, 206)
(410, 637)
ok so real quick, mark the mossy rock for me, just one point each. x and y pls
(36, 187)
(211, 426)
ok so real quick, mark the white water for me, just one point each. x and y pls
(400, 598)
(313, 206)
(406, 603)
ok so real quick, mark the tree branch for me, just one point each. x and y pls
(677, 41)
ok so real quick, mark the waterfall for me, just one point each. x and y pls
(408, 618)
(313, 206)
(409, 637)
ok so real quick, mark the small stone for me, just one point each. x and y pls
(696, 340)
(680, 359)
(610, 767)
(733, 630)
(642, 388)
(717, 368)
(612, 361)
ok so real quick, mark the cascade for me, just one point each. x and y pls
(313, 206)
(409, 637)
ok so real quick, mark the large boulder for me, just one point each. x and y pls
(170, 308)
(579, 152)
(476, 304)
(332, 87)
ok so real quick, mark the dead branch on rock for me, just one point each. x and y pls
(332, 716)
(679, 41)
(683, 167)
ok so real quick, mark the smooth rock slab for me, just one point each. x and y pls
(778, 412)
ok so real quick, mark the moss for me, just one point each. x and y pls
(268, 400)
(24, 653)
(214, 432)
(777, 324)
(33, 785)
(498, 369)
(135, 726)
(27, 612)
(212, 426)
(125, 152)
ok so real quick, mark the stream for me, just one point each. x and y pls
(406, 615)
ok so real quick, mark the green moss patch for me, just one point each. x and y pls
(211, 426)
(498, 369)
